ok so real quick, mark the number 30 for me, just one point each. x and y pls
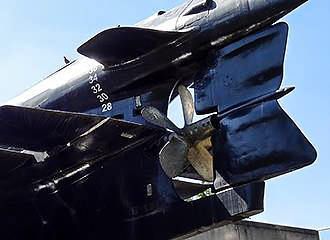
(102, 97)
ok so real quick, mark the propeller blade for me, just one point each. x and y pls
(173, 156)
(201, 159)
(187, 104)
(154, 116)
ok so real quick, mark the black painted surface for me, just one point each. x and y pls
(242, 71)
(259, 142)
(110, 199)
(103, 178)
(115, 46)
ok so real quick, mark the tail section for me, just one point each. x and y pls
(258, 141)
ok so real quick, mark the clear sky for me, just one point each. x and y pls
(35, 35)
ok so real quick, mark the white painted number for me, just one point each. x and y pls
(92, 78)
(92, 70)
(106, 107)
(105, 96)
(102, 97)
(96, 88)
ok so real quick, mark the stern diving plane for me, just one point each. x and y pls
(89, 151)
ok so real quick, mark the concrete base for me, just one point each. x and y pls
(247, 230)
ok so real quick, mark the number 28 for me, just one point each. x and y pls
(106, 107)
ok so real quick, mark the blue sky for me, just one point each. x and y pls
(35, 35)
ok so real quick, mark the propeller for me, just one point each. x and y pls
(187, 145)
(190, 144)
